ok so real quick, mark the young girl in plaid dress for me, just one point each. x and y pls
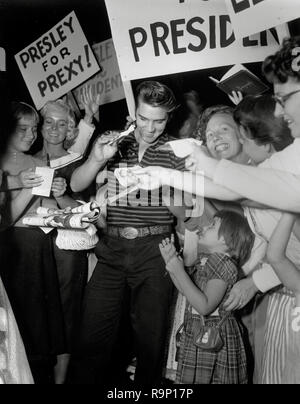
(228, 241)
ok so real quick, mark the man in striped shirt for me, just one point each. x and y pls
(128, 253)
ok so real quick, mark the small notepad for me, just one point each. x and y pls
(45, 188)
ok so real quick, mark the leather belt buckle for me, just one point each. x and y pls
(129, 232)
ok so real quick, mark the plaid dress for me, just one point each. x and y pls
(198, 366)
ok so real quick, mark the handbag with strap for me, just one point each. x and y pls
(210, 338)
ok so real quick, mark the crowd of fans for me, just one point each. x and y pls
(205, 291)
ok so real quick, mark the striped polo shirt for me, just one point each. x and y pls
(141, 207)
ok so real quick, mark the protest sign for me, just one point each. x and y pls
(57, 62)
(108, 82)
(252, 16)
(2, 60)
(154, 37)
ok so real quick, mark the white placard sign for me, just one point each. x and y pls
(252, 16)
(57, 62)
(108, 82)
(155, 37)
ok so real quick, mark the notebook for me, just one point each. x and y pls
(238, 78)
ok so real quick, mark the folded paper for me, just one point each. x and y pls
(47, 174)
(181, 147)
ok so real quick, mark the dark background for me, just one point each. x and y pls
(23, 21)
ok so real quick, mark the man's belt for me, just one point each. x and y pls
(131, 233)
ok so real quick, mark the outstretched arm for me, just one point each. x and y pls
(191, 182)
(269, 186)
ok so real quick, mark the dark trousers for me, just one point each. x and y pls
(72, 270)
(123, 264)
(29, 274)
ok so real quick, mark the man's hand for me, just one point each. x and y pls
(59, 186)
(151, 177)
(241, 294)
(91, 103)
(102, 149)
(28, 178)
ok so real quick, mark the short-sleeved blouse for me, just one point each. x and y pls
(215, 266)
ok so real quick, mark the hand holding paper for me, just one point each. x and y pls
(126, 176)
(47, 175)
(182, 147)
(197, 159)
(138, 176)
(151, 177)
(29, 179)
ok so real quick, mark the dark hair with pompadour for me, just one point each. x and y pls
(156, 94)
(237, 234)
(279, 67)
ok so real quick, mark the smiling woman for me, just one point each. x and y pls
(221, 134)
(55, 125)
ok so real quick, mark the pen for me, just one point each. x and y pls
(123, 134)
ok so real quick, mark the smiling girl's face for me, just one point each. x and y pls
(25, 133)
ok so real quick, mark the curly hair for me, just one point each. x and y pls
(278, 67)
(208, 113)
(256, 115)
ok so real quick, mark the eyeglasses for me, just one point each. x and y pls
(282, 99)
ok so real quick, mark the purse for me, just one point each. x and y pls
(210, 338)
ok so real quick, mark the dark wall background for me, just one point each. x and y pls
(23, 21)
